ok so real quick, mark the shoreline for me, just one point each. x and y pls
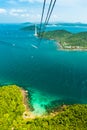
(25, 98)
(13, 117)
(68, 41)
(60, 47)
(28, 113)
(69, 49)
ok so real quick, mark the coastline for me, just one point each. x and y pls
(68, 41)
(17, 117)
(69, 48)
(25, 99)
(27, 113)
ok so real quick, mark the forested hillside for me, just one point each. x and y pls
(12, 108)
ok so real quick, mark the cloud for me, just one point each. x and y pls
(68, 3)
(31, 17)
(16, 12)
(31, 1)
(64, 10)
(13, 2)
(25, 15)
(2, 11)
(58, 2)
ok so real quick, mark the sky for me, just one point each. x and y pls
(18, 11)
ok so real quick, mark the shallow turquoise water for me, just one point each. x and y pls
(51, 75)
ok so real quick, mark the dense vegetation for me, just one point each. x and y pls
(67, 39)
(11, 106)
(72, 117)
(79, 39)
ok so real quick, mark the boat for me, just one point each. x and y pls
(35, 34)
(34, 46)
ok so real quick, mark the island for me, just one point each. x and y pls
(16, 113)
(28, 28)
(67, 40)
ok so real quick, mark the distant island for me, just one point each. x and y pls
(65, 39)
(28, 28)
(16, 113)
(68, 40)
(27, 23)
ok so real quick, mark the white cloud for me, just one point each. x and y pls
(67, 2)
(2, 11)
(64, 10)
(25, 1)
(12, 2)
(33, 17)
(61, 3)
(58, 2)
(31, 1)
(25, 15)
(16, 12)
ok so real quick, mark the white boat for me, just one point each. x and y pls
(34, 46)
(35, 34)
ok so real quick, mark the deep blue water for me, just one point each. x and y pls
(50, 74)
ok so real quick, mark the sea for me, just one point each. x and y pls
(51, 76)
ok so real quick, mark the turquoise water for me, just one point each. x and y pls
(51, 75)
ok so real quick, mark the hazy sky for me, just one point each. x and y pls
(30, 10)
